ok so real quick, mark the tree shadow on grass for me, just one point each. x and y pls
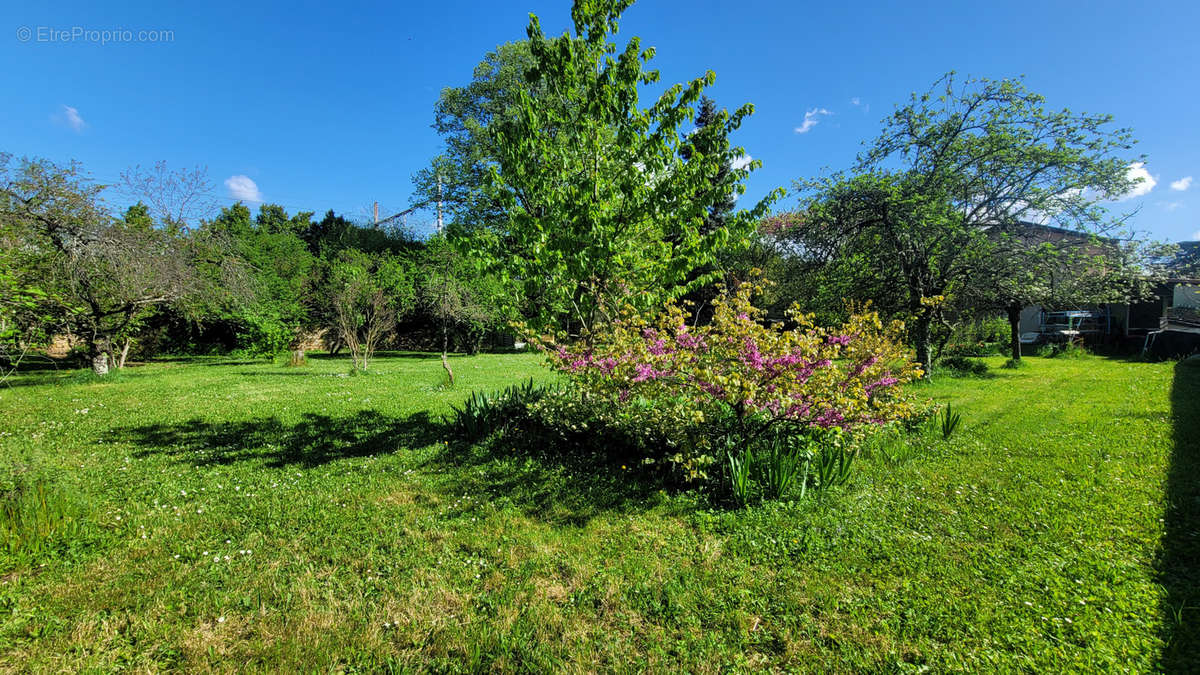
(557, 483)
(315, 440)
(280, 373)
(1179, 561)
(345, 356)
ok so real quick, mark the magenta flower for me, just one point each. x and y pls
(830, 418)
(867, 363)
(883, 382)
(686, 340)
(751, 355)
(647, 372)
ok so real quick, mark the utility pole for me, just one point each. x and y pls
(376, 214)
(439, 205)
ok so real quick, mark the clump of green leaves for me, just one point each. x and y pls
(784, 459)
(833, 466)
(789, 463)
(36, 516)
(482, 414)
(1070, 350)
(962, 366)
(741, 464)
(949, 419)
(602, 207)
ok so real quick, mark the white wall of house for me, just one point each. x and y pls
(1031, 319)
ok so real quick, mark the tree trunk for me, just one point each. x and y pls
(124, 353)
(923, 338)
(445, 362)
(101, 354)
(1014, 326)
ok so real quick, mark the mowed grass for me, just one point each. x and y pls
(234, 516)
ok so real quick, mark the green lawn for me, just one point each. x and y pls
(228, 515)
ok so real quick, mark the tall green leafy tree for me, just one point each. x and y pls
(280, 270)
(458, 178)
(956, 165)
(709, 142)
(457, 295)
(102, 274)
(601, 206)
(368, 292)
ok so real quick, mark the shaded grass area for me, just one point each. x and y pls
(239, 521)
(1180, 557)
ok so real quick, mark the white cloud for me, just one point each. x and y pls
(811, 119)
(243, 188)
(1181, 184)
(1171, 206)
(741, 162)
(1196, 235)
(69, 117)
(1145, 182)
(854, 101)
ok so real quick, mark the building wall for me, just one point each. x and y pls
(1186, 295)
(1031, 319)
(1117, 323)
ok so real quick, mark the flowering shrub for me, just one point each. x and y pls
(739, 376)
(637, 428)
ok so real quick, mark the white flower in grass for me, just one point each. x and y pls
(220, 619)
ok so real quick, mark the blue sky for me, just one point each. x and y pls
(329, 105)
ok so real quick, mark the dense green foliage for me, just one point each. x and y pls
(703, 485)
(606, 202)
(458, 178)
(322, 522)
(726, 387)
(937, 204)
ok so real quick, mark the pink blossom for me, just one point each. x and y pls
(647, 372)
(751, 355)
(861, 367)
(796, 411)
(830, 418)
(686, 340)
(885, 381)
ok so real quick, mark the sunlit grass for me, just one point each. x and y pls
(245, 516)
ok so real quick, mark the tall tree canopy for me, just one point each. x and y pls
(952, 168)
(97, 275)
(601, 205)
(462, 117)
